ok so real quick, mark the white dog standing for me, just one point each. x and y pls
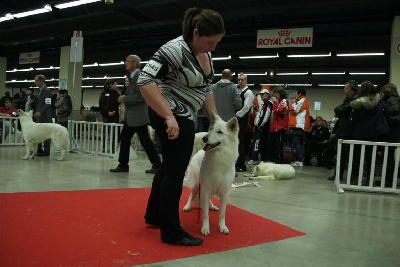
(212, 170)
(35, 133)
(270, 171)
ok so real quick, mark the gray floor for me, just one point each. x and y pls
(350, 229)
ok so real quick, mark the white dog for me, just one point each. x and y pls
(35, 133)
(271, 171)
(213, 170)
(198, 142)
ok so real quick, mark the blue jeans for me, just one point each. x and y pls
(298, 144)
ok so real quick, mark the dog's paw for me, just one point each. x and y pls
(224, 230)
(205, 230)
(26, 157)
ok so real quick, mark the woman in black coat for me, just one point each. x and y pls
(367, 123)
(390, 96)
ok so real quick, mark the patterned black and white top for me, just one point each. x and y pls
(179, 76)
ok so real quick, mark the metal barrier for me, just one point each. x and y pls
(9, 132)
(359, 185)
(94, 137)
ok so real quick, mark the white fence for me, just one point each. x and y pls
(94, 137)
(9, 133)
(375, 175)
(87, 137)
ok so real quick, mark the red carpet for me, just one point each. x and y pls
(106, 228)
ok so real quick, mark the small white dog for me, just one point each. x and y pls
(213, 170)
(35, 133)
(270, 171)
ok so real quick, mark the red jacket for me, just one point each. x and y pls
(280, 116)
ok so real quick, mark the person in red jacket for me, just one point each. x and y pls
(279, 125)
(7, 111)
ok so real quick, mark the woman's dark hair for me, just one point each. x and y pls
(281, 91)
(108, 83)
(367, 89)
(207, 21)
(389, 89)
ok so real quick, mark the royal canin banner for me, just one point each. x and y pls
(297, 37)
(30, 57)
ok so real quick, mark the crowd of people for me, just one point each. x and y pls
(174, 94)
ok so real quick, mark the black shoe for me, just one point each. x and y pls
(331, 178)
(328, 167)
(120, 169)
(186, 241)
(152, 170)
(42, 154)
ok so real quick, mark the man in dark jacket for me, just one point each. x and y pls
(43, 111)
(135, 121)
(342, 112)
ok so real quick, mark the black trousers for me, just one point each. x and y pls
(144, 138)
(163, 204)
(242, 144)
(275, 145)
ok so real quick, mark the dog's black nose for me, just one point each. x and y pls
(205, 139)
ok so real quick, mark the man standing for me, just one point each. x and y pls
(247, 98)
(299, 124)
(136, 120)
(341, 129)
(226, 96)
(43, 111)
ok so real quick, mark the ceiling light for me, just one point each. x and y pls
(331, 85)
(111, 64)
(367, 73)
(255, 74)
(328, 73)
(359, 54)
(221, 58)
(272, 84)
(44, 9)
(75, 3)
(299, 84)
(292, 73)
(257, 57)
(8, 16)
(310, 55)
(91, 65)
(144, 62)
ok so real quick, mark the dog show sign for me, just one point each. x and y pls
(29, 58)
(296, 37)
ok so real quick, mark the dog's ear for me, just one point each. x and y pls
(30, 112)
(233, 124)
(21, 112)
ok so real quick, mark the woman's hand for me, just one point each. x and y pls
(172, 127)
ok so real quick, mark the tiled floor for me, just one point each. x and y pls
(350, 229)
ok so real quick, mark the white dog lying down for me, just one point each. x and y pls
(35, 133)
(271, 171)
(214, 170)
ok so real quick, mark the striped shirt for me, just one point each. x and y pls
(179, 76)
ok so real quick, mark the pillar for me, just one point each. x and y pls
(3, 68)
(394, 76)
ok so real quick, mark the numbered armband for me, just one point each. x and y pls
(157, 67)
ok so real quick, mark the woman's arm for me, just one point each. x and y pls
(156, 101)
(208, 105)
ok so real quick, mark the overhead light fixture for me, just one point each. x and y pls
(310, 55)
(359, 54)
(367, 73)
(328, 73)
(221, 58)
(91, 65)
(292, 73)
(48, 68)
(111, 64)
(331, 85)
(259, 57)
(299, 84)
(75, 3)
(144, 62)
(272, 84)
(8, 16)
(45, 9)
(255, 74)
